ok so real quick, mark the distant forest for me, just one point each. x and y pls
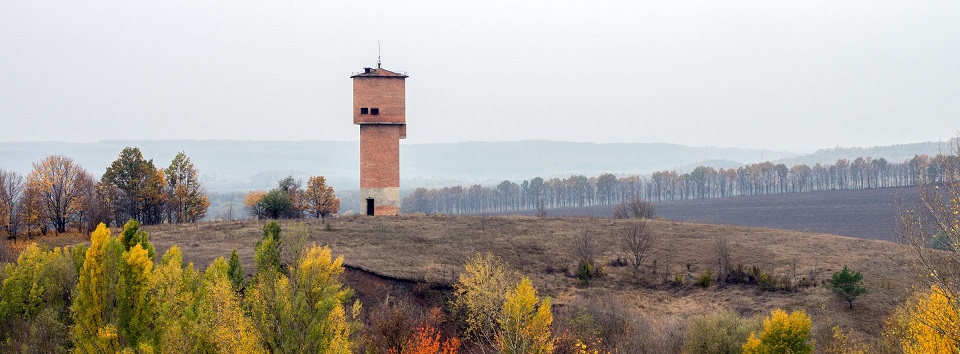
(701, 182)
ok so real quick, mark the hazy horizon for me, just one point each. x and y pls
(406, 142)
(752, 74)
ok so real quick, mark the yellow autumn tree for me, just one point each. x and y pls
(174, 287)
(114, 307)
(478, 297)
(525, 322)
(309, 304)
(781, 333)
(929, 323)
(34, 214)
(319, 198)
(137, 312)
(221, 325)
(92, 331)
(251, 202)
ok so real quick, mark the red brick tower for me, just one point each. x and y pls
(379, 107)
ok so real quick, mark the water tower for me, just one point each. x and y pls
(379, 107)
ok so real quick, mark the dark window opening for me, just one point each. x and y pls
(370, 206)
(375, 111)
(363, 110)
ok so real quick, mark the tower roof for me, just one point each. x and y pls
(378, 72)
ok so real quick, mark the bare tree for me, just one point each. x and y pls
(541, 208)
(636, 207)
(637, 240)
(723, 260)
(934, 216)
(584, 248)
(57, 180)
(11, 208)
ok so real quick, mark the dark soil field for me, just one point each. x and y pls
(864, 213)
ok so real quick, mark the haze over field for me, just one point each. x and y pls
(227, 165)
(754, 74)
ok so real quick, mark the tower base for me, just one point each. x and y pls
(381, 201)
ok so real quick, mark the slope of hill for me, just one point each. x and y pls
(435, 248)
(892, 153)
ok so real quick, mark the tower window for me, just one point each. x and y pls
(375, 111)
(363, 110)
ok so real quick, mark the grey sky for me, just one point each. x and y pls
(796, 75)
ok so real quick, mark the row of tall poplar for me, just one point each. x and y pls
(701, 182)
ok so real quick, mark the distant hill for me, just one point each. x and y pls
(892, 153)
(716, 164)
(227, 165)
(496, 161)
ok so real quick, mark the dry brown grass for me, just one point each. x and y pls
(434, 248)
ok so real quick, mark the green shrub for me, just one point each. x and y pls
(718, 332)
(678, 279)
(739, 275)
(587, 270)
(765, 282)
(706, 277)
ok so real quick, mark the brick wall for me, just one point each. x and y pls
(385, 93)
(379, 155)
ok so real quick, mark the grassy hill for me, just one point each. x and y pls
(433, 249)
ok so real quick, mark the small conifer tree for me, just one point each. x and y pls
(235, 272)
(846, 284)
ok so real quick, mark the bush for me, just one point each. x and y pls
(635, 208)
(719, 332)
(844, 343)
(739, 275)
(678, 279)
(587, 270)
(276, 204)
(781, 333)
(604, 325)
(706, 278)
(390, 324)
(766, 282)
(585, 251)
(618, 262)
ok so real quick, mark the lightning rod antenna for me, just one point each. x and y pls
(378, 54)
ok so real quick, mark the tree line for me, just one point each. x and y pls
(702, 182)
(59, 194)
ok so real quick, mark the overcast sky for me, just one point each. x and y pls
(790, 75)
